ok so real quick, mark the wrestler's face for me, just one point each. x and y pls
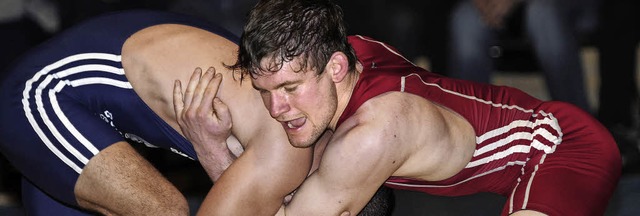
(302, 101)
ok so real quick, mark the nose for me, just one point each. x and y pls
(279, 104)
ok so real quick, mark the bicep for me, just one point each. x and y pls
(267, 170)
(355, 164)
(258, 180)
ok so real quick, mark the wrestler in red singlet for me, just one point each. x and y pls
(549, 157)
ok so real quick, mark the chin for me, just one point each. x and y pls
(300, 144)
(303, 146)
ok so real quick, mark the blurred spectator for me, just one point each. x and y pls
(618, 110)
(24, 24)
(416, 28)
(553, 28)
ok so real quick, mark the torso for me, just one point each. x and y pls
(464, 104)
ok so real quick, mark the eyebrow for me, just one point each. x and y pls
(286, 83)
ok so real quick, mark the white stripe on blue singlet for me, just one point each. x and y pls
(53, 101)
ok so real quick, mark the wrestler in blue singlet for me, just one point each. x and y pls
(68, 99)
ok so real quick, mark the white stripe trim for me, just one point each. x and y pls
(510, 163)
(528, 190)
(499, 155)
(386, 47)
(518, 136)
(46, 140)
(505, 129)
(548, 120)
(100, 80)
(52, 128)
(504, 106)
(31, 119)
(64, 61)
(65, 121)
(517, 123)
(47, 121)
(513, 193)
(90, 67)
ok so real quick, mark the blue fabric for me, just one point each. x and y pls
(68, 98)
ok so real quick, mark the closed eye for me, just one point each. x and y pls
(290, 89)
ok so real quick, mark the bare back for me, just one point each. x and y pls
(155, 57)
(270, 168)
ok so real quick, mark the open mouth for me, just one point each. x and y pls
(296, 123)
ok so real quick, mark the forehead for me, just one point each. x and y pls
(289, 72)
(275, 63)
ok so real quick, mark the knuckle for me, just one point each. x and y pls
(189, 114)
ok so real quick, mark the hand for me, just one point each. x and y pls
(205, 120)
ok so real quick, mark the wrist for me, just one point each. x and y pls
(215, 161)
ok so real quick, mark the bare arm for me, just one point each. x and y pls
(356, 162)
(268, 169)
(396, 134)
(119, 181)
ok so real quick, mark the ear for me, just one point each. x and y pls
(338, 66)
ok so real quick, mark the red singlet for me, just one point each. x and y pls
(550, 157)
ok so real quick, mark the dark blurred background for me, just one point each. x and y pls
(421, 30)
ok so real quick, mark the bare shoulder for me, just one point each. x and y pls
(153, 58)
(162, 53)
(400, 109)
(406, 117)
(434, 141)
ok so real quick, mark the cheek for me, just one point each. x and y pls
(321, 100)
(313, 97)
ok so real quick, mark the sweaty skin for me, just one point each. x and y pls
(258, 180)
(368, 147)
(391, 134)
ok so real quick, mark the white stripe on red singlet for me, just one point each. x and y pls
(548, 120)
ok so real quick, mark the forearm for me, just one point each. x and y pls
(215, 159)
(242, 190)
(354, 165)
(259, 180)
(216, 164)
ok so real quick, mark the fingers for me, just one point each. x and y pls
(198, 99)
(191, 87)
(211, 91)
(222, 111)
(201, 88)
(178, 103)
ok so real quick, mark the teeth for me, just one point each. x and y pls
(289, 125)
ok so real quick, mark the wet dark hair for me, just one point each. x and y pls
(282, 30)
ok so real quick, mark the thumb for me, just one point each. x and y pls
(221, 110)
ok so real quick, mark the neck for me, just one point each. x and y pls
(345, 90)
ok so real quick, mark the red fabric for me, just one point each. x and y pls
(514, 133)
